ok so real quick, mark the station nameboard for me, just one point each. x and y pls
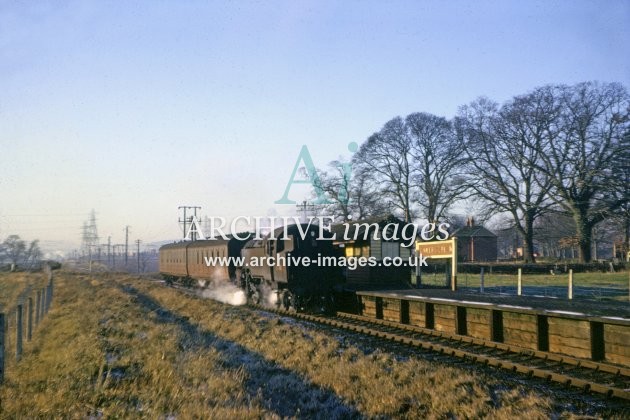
(437, 249)
(441, 249)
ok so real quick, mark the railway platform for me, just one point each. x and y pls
(592, 330)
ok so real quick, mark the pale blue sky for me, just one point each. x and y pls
(134, 108)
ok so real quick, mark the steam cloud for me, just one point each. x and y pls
(226, 293)
(269, 296)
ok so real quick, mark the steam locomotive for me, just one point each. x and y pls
(280, 267)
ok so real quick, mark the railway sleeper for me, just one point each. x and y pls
(539, 364)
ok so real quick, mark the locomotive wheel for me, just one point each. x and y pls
(298, 303)
(288, 300)
(253, 293)
(243, 279)
(328, 306)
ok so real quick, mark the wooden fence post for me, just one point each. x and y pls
(47, 297)
(2, 347)
(48, 272)
(37, 306)
(18, 335)
(29, 320)
(43, 303)
(571, 284)
(481, 284)
(519, 285)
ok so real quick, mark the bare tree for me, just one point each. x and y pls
(336, 185)
(33, 255)
(584, 161)
(14, 249)
(621, 181)
(145, 260)
(437, 159)
(351, 193)
(503, 146)
(387, 156)
(366, 201)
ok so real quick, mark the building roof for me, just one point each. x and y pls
(473, 232)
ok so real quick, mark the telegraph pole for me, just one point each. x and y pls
(113, 257)
(304, 208)
(118, 247)
(126, 243)
(138, 253)
(184, 220)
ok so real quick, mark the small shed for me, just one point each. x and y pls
(356, 239)
(476, 243)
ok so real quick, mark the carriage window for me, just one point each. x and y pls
(348, 250)
(352, 251)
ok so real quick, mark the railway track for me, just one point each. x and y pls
(586, 375)
(589, 376)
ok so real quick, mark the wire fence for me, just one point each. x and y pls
(560, 284)
(19, 319)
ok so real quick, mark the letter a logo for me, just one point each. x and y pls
(305, 157)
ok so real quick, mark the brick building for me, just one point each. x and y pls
(475, 243)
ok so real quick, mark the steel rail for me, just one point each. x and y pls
(611, 380)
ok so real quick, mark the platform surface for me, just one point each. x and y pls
(587, 307)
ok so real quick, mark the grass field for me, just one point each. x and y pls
(119, 346)
(13, 285)
(614, 286)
